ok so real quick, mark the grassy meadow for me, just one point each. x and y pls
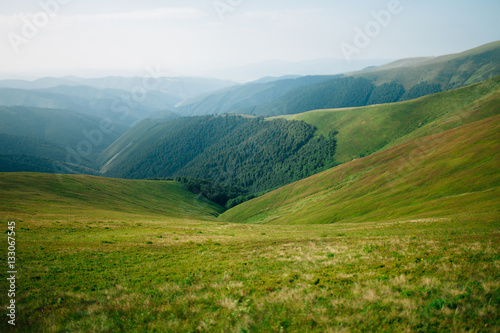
(88, 268)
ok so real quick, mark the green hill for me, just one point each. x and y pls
(46, 196)
(363, 131)
(451, 173)
(448, 71)
(260, 155)
(399, 81)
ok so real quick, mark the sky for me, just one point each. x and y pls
(127, 37)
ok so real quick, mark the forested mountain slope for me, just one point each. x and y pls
(249, 95)
(252, 153)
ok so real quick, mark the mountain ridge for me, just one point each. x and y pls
(401, 80)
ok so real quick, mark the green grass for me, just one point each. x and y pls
(366, 130)
(104, 274)
(44, 196)
(451, 173)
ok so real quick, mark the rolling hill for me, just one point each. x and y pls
(401, 81)
(448, 71)
(451, 173)
(48, 195)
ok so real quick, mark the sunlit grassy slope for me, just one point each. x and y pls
(450, 71)
(106, 255)
(365, 130)
(49, 197)
(451, 173)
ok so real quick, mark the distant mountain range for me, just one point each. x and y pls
(121, 99)
(180, 87)
(397, 81)
(127, 100)
(276, 68)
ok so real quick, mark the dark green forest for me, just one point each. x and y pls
(421, 89)
(31, 163)
(248, 153)
(386, 93)
(227, 196)
(16, 144)
(340, 93)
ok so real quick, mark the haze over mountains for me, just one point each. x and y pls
(278, 68)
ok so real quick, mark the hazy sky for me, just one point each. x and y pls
(90, 37)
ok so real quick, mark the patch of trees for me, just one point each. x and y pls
(31, 163)
(234, 156)
(227, 196)
(386, 93)
(421, 89)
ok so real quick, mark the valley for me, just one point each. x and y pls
(296, 204)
